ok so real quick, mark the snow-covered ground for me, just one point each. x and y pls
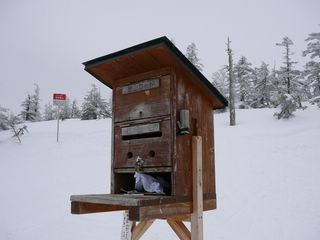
(267, 171)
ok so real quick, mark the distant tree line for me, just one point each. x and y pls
(268, 87)
(93, 107)
(285, 88)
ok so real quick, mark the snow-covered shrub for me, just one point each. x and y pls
(18, 131)
(315, 100)
(287, 106)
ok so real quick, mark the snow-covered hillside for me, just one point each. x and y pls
(268, 180)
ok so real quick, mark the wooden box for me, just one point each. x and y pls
(153, 83)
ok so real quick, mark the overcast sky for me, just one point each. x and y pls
(45, 42)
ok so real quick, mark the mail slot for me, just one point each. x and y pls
(141, 131)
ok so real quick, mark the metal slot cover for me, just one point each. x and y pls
(141, 86)
(140, 129)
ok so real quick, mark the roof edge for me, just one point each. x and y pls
(126, 51)
(167, 43)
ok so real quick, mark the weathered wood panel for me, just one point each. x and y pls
(126, 199)
(84, 208)
(164, 211)
(147, 103)
(155, 150)
(192, 97)
(158, 211)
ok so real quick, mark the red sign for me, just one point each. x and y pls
(59, 96)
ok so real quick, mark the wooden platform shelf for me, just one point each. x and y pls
(140, 207)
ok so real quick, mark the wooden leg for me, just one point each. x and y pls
(197, 214)
(180, 229)
(140, 228)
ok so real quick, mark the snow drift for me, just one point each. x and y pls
(267, 173)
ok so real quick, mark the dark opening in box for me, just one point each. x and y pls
(126, 181)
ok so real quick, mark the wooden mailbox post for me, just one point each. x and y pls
(160, 101)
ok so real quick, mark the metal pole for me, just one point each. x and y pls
(58, 123)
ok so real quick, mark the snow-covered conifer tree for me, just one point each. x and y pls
(27, 112)
(290, 78)
(36, 103)
(49, 112)
(75, 111)
(192, 55)
(287, 72)
(65, 110)
(263, 87)
(94, 106)
(4, 113)
(31, 106)
(312, 67)
(289, 86)
(220, 81)
(243, 74)
(109, 108)
(275, 88)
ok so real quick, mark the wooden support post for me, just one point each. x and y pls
(180, 229)
(140, 229)
(197, 214)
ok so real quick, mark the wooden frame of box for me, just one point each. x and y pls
(153, 83)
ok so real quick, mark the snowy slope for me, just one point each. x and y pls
(268, 180)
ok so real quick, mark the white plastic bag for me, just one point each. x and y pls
(145, 182)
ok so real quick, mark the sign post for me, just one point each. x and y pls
(59, 99)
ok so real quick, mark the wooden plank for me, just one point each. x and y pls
(108, 199)
(197, 213)
(174, 131)
(181, 218)
(126, 199)
(145, 170)
(180, 229)
(112, 182)
(140, 229)
(84, 208)
(159, 211)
